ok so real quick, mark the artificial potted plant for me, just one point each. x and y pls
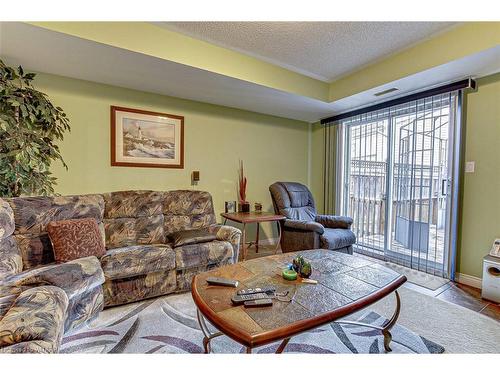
(243, 204)
(30, 126)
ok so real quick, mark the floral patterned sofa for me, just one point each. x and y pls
(41, 300)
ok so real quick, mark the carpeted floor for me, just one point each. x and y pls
(457, 328)
(168, 325)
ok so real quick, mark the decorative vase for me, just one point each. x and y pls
(244, 207)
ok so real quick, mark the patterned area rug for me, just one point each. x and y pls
(169, 325)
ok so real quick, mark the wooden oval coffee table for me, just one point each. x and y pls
(346, 284)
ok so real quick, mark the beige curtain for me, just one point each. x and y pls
(330, 134)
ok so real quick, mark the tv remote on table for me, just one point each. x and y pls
(237, 299)
(259, 303)
(265, 289)
(222, 282)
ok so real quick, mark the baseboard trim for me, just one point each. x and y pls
(264, 241)
(268, 241)
(469, 280)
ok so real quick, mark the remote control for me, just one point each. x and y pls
(222, 282)
(236, 299)
(265, 289)
(259, 303)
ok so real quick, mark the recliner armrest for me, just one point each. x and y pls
(225, 232)
(26, 326)
(72, 277)
(332, 221)
(230, 234)
(307, 226)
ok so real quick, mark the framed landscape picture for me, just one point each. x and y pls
(146, 139)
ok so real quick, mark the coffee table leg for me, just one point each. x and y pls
(282, 346)
(208, 335)
(385, 328)
(279, 238)
(257, 239)
(244, 243)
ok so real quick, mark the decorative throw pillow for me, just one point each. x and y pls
(190, 237)
(77, 238)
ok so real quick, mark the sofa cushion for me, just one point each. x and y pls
(35, 249)
(132, 289)
(132, 203)
(122, 232)
(187, 209)
(337, 238)
(200, 254)
(76, 238)
(190, 237)
(137, 260)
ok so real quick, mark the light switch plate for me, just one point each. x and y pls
(470, 167)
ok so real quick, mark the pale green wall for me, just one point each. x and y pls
(216, 138)
(481, 189)
(272, 148)
(480, 208)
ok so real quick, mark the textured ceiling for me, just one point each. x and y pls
(322, 50)
(42, 50)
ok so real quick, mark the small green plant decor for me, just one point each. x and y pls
(30, 126)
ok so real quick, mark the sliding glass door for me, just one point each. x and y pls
(396, 178)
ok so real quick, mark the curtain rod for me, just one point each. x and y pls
(463, 84)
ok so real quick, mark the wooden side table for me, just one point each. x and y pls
(253, 217)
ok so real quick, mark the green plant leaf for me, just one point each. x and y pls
(30, 126)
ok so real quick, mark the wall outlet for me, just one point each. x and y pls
(470, 167)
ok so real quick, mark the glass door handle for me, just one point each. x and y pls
(444, 186)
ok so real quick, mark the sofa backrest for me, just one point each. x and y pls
(133, 217)
(187, 209)
(293, 200)
(32, 214)
(124, 217)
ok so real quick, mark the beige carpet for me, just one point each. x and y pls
(168, 325)
(458, 329)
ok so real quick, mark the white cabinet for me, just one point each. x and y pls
(491, 278)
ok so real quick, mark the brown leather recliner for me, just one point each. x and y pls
(303, 228)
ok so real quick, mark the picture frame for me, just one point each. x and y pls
(495, 248)
(146, 139)
(230, 207)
